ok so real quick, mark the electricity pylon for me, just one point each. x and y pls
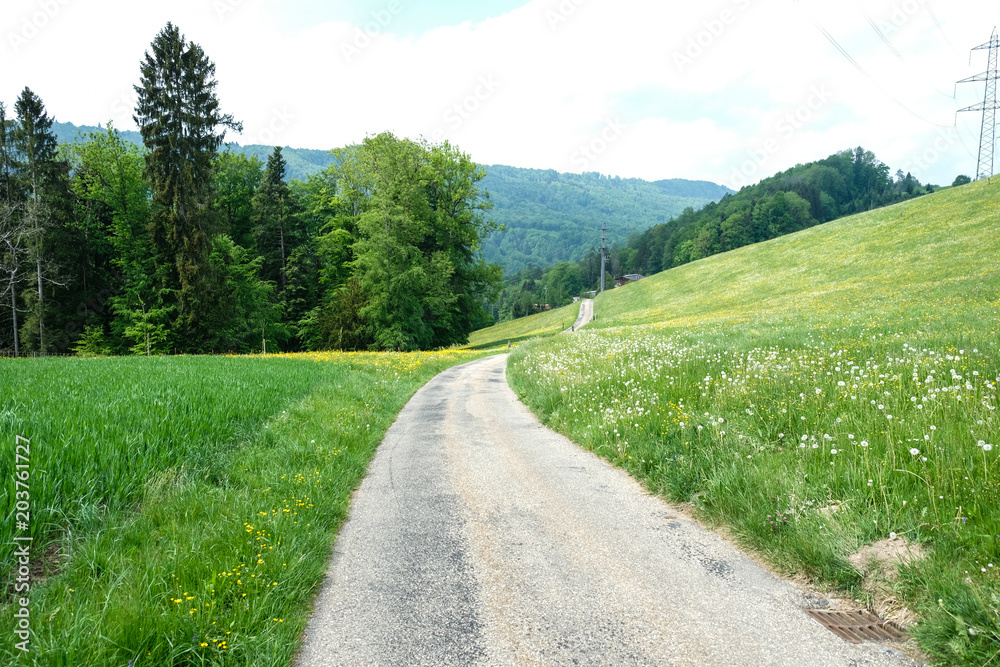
(987, 136)
(604, 251)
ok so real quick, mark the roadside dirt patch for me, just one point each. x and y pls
(885, 555)
(878, 564)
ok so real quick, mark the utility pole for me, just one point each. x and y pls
(604, 251)
(987, 135)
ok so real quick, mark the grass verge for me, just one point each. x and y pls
(187, 506)
(817, 394)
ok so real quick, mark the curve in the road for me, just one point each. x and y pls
(479, 537)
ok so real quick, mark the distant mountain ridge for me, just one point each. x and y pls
(302, 162)
(553, 217)
(549, 216)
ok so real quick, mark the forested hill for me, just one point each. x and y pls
(848, 182)
(553, 217)
(302, 162)
(549, 216)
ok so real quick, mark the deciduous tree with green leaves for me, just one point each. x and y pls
(114, 215)
(416, 258)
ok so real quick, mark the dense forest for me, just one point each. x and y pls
(845, 183)
(550, 217)
(178, 246)
(544, 216)
(301, 163)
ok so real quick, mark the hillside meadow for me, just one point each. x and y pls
(540, 325)
(816, 395)
(182, 509)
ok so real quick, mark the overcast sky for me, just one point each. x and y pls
(729, 91)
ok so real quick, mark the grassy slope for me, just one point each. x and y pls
(777, 379)
(920, 256)
(541, 325)
(192, 501)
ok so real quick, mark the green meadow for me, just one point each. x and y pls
(540, 325)
(812, 396)
(183, 509)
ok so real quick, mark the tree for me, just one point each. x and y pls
(246, 312)
(273, 218)
(459, 225)
(237, 177)
(179, 118)
(6, 158)
(417, 254)
(388, 261)
(15, 234)
(114, 217)
(43, 179)
(149, 330)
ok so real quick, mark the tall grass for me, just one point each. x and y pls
(817, 393)
(194, 501)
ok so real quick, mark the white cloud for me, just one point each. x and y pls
(700, 87)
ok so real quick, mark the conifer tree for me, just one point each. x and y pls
(41, 180)
(274, 224)
(179, 118)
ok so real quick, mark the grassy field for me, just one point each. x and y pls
(183, 509)
(541, 325)
(817, 394)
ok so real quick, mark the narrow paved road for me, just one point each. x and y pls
(481, 538)
(586, 314)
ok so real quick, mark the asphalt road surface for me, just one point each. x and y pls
(586, 314)
(481, 538)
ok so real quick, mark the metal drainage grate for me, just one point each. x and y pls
(857, 626)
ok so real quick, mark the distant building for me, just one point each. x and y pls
(628, 278)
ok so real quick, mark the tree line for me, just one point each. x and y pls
(180, 247)
(551, 217)
(848, 182)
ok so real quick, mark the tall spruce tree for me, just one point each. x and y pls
(179, 118)
(42, 178)
(273, 217)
